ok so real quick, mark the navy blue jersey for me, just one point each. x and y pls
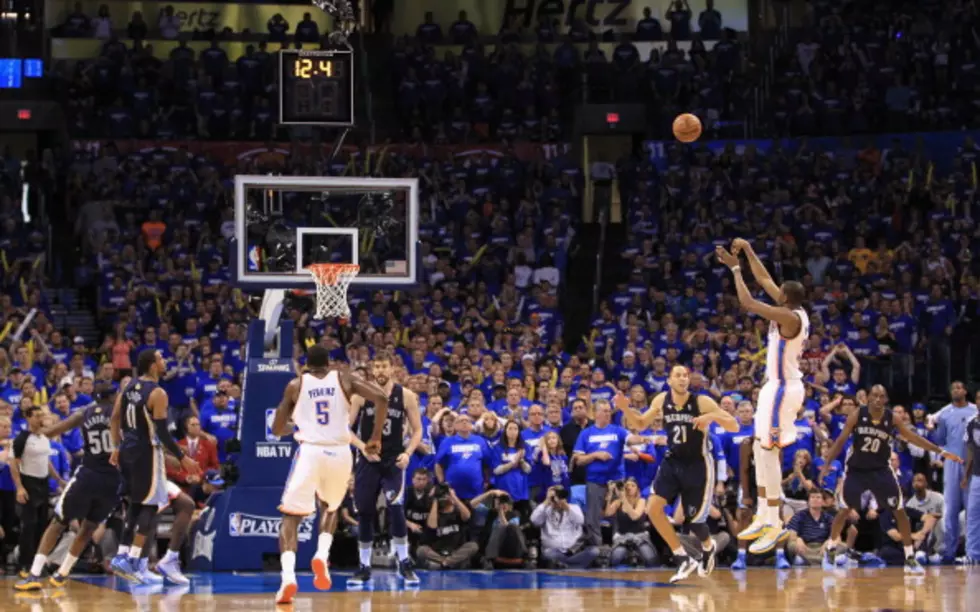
(97, 446)
(137, 417)
(871, 447)
(393, 434)
(684, 440)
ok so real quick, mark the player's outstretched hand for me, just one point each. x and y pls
(725, 257)
(621, 402)
(189, 465)
(739, 245)
(114, 458)
(951, 457)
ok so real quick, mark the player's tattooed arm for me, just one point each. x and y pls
(711, 411)
(789, 322)
(356, 403)
(373, 393)
(115, 429)
(912, 437)
(284, 413)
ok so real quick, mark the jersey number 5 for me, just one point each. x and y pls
(323, 412)
(99, 442)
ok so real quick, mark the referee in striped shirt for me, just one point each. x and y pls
(30, 470)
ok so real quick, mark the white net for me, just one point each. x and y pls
(332, 281)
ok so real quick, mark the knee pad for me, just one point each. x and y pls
(144, 519)
(396, 517)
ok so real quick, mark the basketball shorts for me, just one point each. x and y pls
(882, 483)
(372, 478)
(318, 472)
(777, 410)
(144, 475)
(691, 480)
(88, 496)
(173, 492)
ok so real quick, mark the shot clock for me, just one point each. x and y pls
(316, 87)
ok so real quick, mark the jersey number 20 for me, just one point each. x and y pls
(323, 412)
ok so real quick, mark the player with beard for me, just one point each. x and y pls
(385, 473)
(868, 469)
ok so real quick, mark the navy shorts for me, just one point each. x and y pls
(144, 475)
(373, 478)
(88, 496)
(882, 483)
(692, 480)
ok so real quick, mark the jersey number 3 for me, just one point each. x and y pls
(323, 412)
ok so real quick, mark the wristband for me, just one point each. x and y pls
(736, 268)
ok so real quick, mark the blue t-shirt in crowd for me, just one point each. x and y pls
(515, 481)
(610, 439)
(464, 459)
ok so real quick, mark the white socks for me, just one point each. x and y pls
(170, 556)
(772, 516)
(288, 562)
(909, 552)
(364, 552)
(401, 548)
(123, 550)
(323, 544)
(38, 566)
(67, 565)
(135, 552)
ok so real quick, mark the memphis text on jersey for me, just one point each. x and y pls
(873, 432)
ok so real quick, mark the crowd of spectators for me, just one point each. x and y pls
(881, 240)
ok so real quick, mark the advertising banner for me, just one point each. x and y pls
(940, 148)
(601, 15)
(193, 15)
(236, 153)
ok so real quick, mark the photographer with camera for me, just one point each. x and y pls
(562, 538)
(506, 545)
(448, 520)
(631, 536)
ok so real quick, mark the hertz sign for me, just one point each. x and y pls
(193, 15)
(490, 15)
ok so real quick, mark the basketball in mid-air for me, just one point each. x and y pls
(687, 127)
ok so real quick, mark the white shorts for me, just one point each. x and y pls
(173, 492)
(317, 472)
(777, 411)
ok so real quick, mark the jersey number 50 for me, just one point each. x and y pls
(323, 412)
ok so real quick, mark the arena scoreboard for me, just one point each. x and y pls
(316, 87)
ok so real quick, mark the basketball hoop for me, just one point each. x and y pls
(331, 288)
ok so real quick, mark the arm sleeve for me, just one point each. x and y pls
(20, 443)
(163, 433)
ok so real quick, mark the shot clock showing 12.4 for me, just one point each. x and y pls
(316, 87)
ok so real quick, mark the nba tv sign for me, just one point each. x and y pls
(242, 525)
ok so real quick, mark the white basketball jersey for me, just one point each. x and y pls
(782, 355)
(321, 414)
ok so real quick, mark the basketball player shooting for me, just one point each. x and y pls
(868, 468)
(385, 472)
(318, 404)
(782, 395)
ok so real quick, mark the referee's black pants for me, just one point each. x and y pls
(33, 518)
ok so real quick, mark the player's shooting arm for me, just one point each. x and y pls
(710, 408)
(912, 437)
(284, 413)
(758, 268)
(789, 322)
(842, 439)
(414, 415)
(68, 424)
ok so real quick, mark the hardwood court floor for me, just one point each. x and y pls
(944, 589)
